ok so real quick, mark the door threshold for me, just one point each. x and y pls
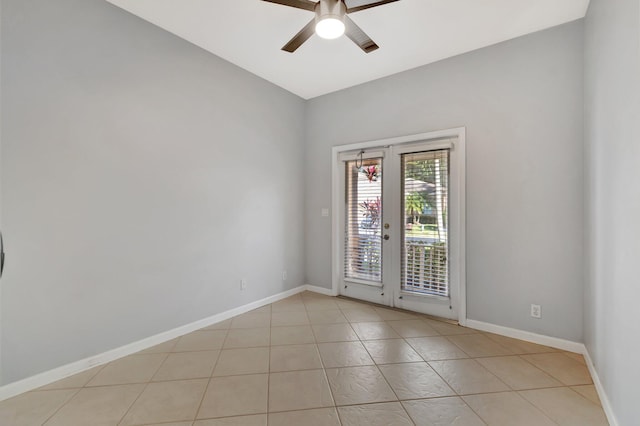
(431, 317)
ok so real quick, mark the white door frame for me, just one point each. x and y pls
(336, 190)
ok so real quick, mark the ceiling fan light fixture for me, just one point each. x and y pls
(330, 18)
(331, 21)
(330, 28)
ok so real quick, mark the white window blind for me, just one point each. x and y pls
(425, 202)
(363, 220)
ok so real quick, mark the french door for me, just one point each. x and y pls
(399, 222)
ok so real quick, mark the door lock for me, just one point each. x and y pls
(386, 226)
(386, 236)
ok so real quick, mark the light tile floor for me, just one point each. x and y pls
(315, 360)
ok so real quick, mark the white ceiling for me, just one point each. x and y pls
(410, 33)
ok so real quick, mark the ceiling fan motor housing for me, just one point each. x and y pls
(330, 9)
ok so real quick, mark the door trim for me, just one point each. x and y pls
(460, 134)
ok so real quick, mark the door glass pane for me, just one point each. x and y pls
(363, 221)
(425, 201)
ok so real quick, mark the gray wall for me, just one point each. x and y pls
(0, 184)
(521, 102)
(612, 134)
(142, 178)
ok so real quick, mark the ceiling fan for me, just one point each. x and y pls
(331, 21)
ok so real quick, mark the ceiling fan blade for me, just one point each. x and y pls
(367, 6)
(301, 37)
(298, 4)
(358, 36)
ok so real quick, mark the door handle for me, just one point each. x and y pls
(1, 255)
(386, 236)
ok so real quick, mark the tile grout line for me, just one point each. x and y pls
(378, 368)
(195, 416)
(442, 378)
(326, 378)
(63, 404)
(433, 369)
(146, 385)
(269, 363)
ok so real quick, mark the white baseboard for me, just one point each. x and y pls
(321, 290)
(527, 336)
(604, 400)
(47, 377)
(554, 342)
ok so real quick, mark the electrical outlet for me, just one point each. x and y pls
(536, 311)
(243, 284)
(284, 275)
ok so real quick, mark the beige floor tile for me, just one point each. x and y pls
(326, 317)
(349, 304)
(287, 305)
(187, 365)
(208, 340)
(344, 354)
(374, 331)
(162, 348)
(589, 392)
(255, 420)
(33, 408)
(566, 407)
(235, 396)
(247, 338)
(506, 408)
(318, 305)
(189, 423)
(75, 381)
(385, 414)
(467, 376)
(359, 385)
(97, 406)
(299, 390)
(391, 351)
(413, 328)
(242, 361)
(362, 315)
(167, 402)
(279, 319)
(251, 321)
(517, 373)
(334, 333)
(295, 297)
(266, 309)
(447, 329)
(315, 417)
(577, 357)
(292, 335)
(295, 357)
(393, 315)
(415, 381)
(222, 325)
(479, 345)
(313, 295)
(519, 347)
(442, 412)
(130, 369)
(567, 370)
(436, 348)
